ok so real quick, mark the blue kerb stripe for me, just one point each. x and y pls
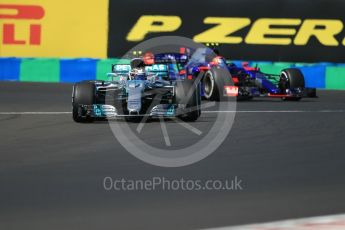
(10, 69)
(74, 70)
(314, 76)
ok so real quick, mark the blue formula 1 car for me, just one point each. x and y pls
(252, 82)
(143, 88)
(221, 79)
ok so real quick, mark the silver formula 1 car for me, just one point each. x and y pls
(150, 86)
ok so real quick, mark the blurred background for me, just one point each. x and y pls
(60, 41)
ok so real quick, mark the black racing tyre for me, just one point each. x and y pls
(83, 94)
(209, 85)
(214, 81)
(182, 91)
(291, 78)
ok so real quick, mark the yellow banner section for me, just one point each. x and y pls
(54, 28)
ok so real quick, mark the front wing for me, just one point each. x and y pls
(110, 111)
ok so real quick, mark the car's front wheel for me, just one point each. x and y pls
(83, 94)
(291, 79)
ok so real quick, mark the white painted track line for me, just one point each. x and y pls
(332, 222)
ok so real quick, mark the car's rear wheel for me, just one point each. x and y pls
(209, 85)
(83, 94)
(214, 81)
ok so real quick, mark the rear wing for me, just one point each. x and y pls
(124, 69)
(118, 71)
(120, 68)
(156, 68)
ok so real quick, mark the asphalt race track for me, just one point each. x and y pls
(289, 155)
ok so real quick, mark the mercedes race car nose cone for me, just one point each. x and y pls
(135, 89)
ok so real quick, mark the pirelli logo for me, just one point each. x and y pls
(21, 12)
(263, 31)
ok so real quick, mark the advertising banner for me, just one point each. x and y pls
(266, 30)
(53, 28)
